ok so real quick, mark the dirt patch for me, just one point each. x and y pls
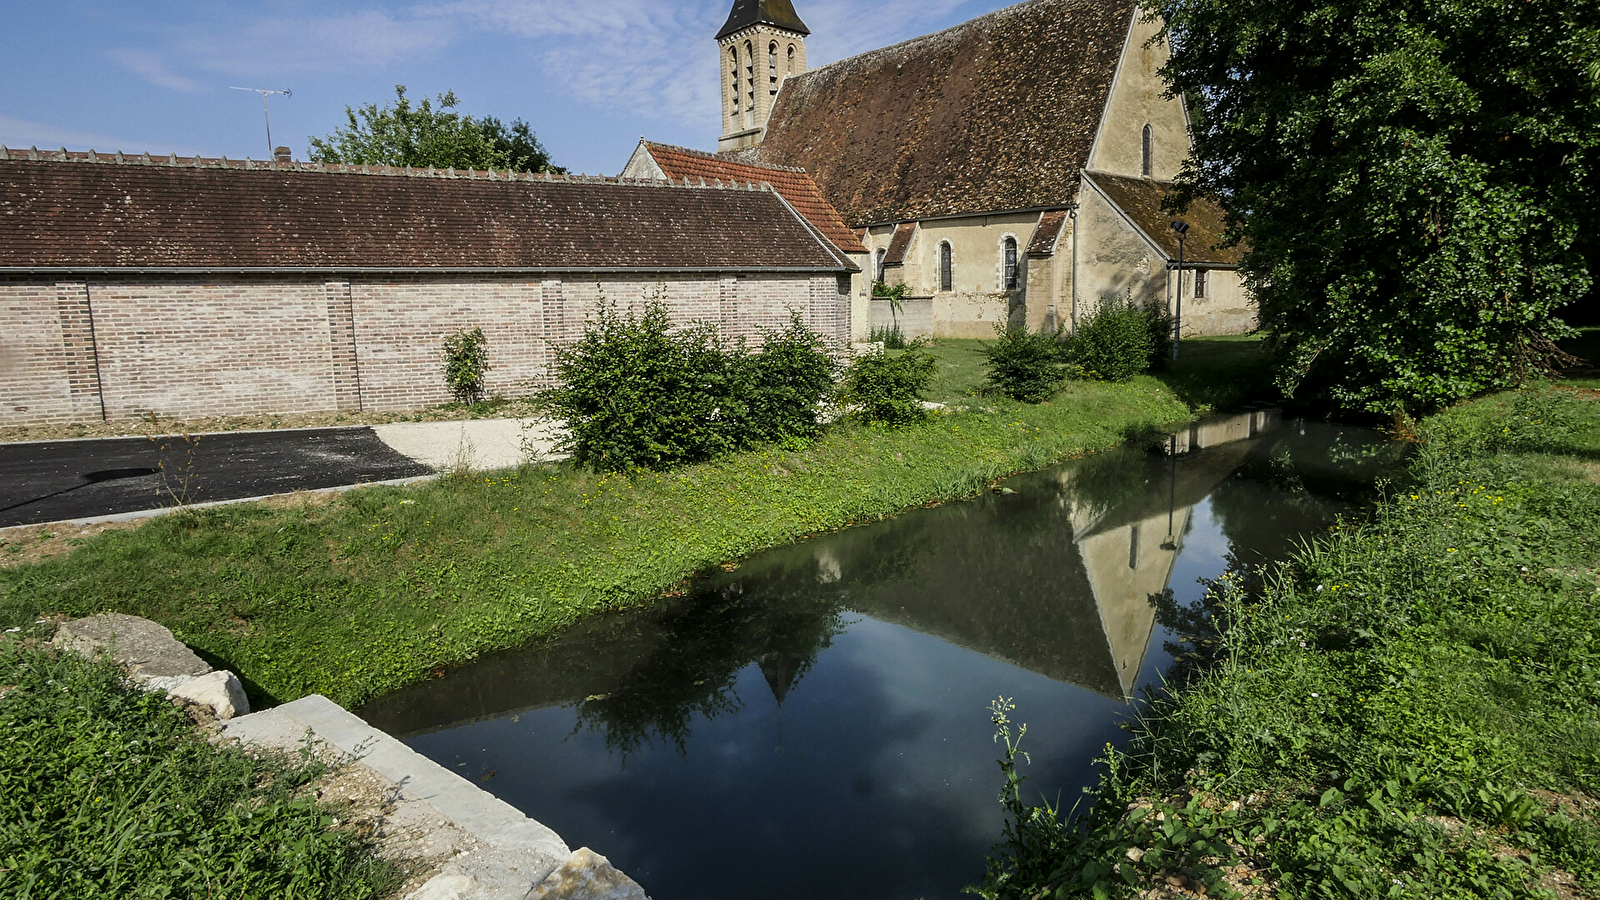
(31, 544)
(1588, 471)
(151, 427)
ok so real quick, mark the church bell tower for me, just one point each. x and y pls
(762, 43)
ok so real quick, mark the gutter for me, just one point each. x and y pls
(419, 270)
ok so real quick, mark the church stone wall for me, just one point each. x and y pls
(1138, 99)
(185, 347)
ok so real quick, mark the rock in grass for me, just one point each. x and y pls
(155, 661)
(219, 692)
(142, 647)
(586, 875)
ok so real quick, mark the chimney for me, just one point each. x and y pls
(282, 154)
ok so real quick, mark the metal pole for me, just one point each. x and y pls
(1177, 320)
(271, 150)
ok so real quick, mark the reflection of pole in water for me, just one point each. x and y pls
(1172, 494)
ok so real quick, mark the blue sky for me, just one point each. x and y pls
(591, 76)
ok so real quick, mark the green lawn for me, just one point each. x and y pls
(1210, 373)
(1409, 708)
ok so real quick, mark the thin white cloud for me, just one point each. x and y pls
(151, 68)
(637, 57)
(19, 133)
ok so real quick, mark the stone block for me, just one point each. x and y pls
(586, 875)
(142, 647)
(219, 692)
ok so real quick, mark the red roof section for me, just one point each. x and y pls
(794, 184)
(135, 214)
(900, 244)
(1044, 237)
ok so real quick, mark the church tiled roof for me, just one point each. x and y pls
(158, 214)
(993, 115)
(794, 184)
(746, 13)
(1140, 199)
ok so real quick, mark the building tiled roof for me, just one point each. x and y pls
(1140, 199)
(157, 215)
(794, 184)
(900, 244)
(1044, 237)
(993, 115)
(746, 13)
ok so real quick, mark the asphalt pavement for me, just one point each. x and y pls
(50, 481)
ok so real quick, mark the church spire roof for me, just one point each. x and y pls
(763, 12)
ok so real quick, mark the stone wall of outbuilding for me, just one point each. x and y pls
(109, 347)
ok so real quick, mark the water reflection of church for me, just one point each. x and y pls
(1061, 578)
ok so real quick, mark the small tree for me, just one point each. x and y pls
(466, 361)
(782, 385)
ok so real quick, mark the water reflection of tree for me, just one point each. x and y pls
(702, 648)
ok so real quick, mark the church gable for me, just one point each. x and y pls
(999, 113)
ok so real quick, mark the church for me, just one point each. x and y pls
(1009, 170)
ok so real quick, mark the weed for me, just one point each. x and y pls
(466, 361)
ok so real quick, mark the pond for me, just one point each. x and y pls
(815, 725)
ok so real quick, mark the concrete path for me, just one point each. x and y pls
(476, 444)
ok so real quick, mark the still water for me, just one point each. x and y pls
(814, 724)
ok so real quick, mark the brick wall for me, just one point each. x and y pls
(187, 347)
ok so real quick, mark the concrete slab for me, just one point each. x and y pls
(476, 444)
(496, 852)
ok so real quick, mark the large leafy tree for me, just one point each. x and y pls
(1414, 181)
(426, 134)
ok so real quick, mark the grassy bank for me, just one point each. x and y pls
(380, 587)
(1409, 708)
(109, 792)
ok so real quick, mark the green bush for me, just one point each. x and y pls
(1025, 365)
(1120, 340)
(466, 361)
(637, 393)
(888, 389)
(783, 384)
(109, 792)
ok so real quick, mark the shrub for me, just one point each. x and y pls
(634, 393)
(890, 336)
(782, 385)
(466, 360)
(1119, 340)
(1025, 365)
(888, 390)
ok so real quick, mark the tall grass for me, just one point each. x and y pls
(1394, 713)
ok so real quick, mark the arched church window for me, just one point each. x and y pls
(790, 70)
(1148, 165)
(772, 62)
(946, 267)
(1010, 264)
(733, 76)
(880, 267)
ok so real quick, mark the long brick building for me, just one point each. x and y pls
(187, 287)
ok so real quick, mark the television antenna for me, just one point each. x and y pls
(264, 94)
